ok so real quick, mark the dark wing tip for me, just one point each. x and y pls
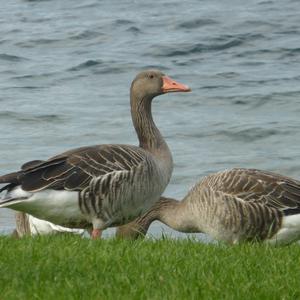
(31, 164)
(11, 178)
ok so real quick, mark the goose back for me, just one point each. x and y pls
(109, 179)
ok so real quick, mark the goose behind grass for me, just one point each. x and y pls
(27, 225)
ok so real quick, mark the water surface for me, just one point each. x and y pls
(66, 68)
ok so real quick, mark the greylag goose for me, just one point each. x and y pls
(29, 225)
(102, 185)
(233, 206)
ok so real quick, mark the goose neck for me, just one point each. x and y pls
(173, 213)
(148, 134)
(176, 214)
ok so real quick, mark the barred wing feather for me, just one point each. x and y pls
(274, 190)
(74, 170)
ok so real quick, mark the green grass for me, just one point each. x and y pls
(69, 267)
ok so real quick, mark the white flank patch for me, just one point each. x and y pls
(59, 207)
(289, 231)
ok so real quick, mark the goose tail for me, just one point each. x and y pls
(10, 194)
(10, 181)
(12, 178)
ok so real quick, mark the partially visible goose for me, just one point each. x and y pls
(103, 185)
(31, 226)
(234, 206)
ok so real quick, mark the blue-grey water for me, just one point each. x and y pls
(66, 67)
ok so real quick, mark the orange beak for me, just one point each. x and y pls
(170, 85)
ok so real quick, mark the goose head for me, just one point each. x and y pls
(151, 83)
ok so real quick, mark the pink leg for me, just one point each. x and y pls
(96, 234)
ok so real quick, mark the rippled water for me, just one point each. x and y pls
(66, 67)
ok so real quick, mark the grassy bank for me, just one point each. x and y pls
(68, 267)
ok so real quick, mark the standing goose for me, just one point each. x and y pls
(103, 185)
(233, 206)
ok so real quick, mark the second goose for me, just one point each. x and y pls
(233, 206)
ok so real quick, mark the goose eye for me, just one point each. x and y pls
(151, 76)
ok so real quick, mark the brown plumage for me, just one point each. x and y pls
(22, 225)
(73, 170)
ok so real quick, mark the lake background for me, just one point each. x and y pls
(66, 67)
